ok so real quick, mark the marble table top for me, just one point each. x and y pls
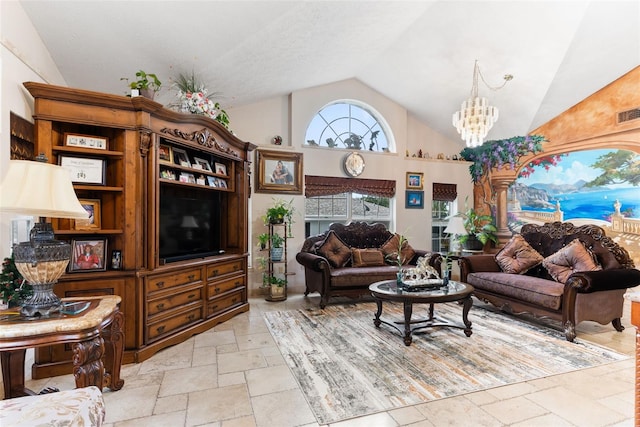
(13, 326)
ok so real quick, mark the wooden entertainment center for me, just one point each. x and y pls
(171, 194)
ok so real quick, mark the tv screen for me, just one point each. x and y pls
(189, 223)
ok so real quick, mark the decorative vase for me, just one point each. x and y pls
(276, 254)
(276, 220)
(148, 93)
(277, 291)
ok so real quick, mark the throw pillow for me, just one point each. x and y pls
(517, 256)
(334, 250)
(571, 258)
(366, 257)
(390, 250)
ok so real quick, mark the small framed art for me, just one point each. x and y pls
(180, 157)
(415, 180)
(204, 164)
(84, 170)
(85, 141)
(165, 153)
(116, 260)
(92, 206)
(414, 199)
(88, 255)
(221, 169)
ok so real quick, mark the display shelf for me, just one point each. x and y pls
(275, 292)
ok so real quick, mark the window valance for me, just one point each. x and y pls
(326, 186)
(445, 192)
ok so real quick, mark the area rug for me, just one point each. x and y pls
(346, 367)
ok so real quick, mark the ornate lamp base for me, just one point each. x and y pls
(43, 302)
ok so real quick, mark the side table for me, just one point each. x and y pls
(95, 334)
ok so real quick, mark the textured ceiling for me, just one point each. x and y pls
(417, 53)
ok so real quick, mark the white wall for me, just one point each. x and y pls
(289, 116)
(23, 57)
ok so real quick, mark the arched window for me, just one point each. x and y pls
(351, 125)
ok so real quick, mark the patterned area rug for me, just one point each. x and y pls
(346, 367)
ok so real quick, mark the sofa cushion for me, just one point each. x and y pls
(366, 257)
(533, 290)
(353, 277)
(334, 250)
(518, 256)
(571, 258)
(390, 250)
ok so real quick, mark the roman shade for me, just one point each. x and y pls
(325, 186)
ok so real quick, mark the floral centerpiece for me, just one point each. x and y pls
(194, 98)
(13, 287)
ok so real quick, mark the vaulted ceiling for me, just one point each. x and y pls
(417, 53)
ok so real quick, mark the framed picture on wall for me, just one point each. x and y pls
(415, 180)
(278, 172)
(414, 199)
(92, 206)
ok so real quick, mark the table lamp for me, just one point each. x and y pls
(45, 190)
(455, 227)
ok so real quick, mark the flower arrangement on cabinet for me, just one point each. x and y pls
(13, 287)
(194, 98)
(506, 152)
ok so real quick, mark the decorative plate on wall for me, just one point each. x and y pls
(353, 164)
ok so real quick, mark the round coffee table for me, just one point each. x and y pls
(388, 290)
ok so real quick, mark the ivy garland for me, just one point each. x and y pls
(498, 153)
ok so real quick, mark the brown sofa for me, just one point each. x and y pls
(346, 259)
(585, 295)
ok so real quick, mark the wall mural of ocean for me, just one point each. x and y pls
(584, 186)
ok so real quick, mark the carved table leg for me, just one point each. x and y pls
(467, 303)
(376, 321)
(408, 309)
(13, 374)
(114, 348)
(88, 368)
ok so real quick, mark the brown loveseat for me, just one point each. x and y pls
(550, 281)
(346, 259)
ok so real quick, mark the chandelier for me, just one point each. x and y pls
(476, 117)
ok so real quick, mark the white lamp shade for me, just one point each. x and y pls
(455, 226)
(39, 189)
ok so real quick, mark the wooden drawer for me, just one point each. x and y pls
(166, 281)
(224, 303)
(168, 325)
(217, 270)
(175, 299)
(217, 288)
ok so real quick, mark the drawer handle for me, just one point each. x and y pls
(160, 306)
(191, 317)
(215, 272)
(235, 267)
(160, 284)
(234, 300)
(215, 307)
(160, 329)
(192, 276)
(237, 283)
(217, 290)
(191, 296)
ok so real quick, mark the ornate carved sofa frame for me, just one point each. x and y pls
(586, 295)
(329, 281)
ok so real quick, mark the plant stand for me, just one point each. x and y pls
(277, 292)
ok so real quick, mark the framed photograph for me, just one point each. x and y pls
(180, 157)
(167, 174)
(84, 170)
(204, 164)
(414, 199)
(92, 206)
(221, 169)
(278, 172)
(165, 153)
(88, 255)
(116, 260)
(213, 181)
(85, 141)
(415, 180)
(222, 183)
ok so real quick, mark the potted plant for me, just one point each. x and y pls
(480, 230)
(262, 241)
(13, 287)
(262, 266)
(146, 85)
(276, 247)
(280, 211)
(277, 286)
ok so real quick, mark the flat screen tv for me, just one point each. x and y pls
(189, 223)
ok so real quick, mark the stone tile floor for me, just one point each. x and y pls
(233, 375)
